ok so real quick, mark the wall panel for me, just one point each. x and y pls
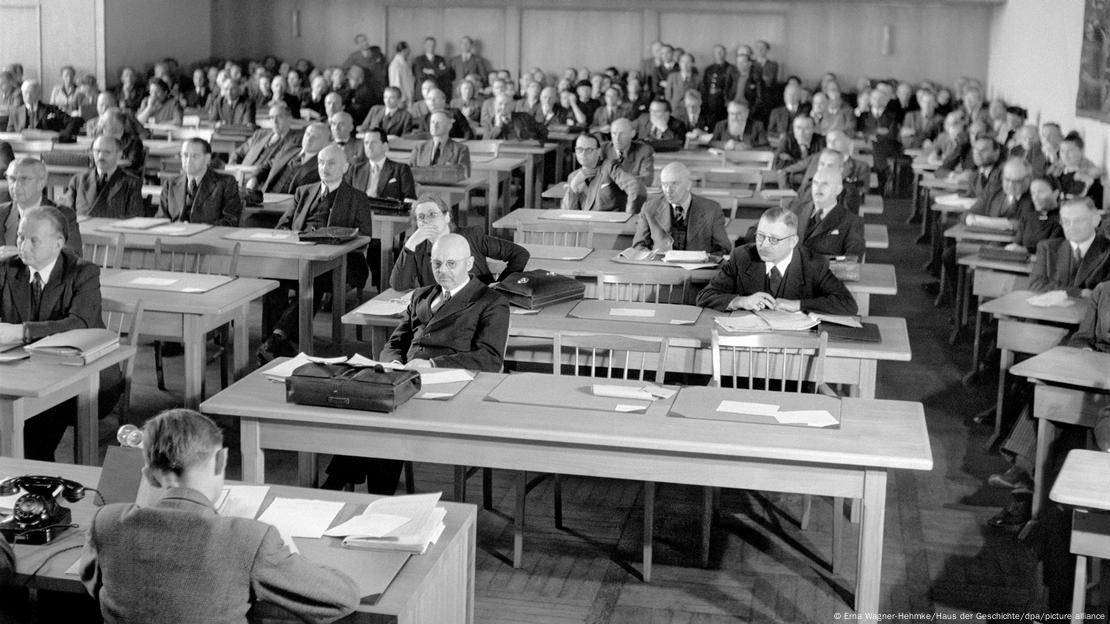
(19, 42)
(486, 26)
(698, 31)
(554, 39)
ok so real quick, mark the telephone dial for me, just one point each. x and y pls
(37, 518)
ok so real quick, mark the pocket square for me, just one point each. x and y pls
(834, 233)
(391, 180)
(605, 185)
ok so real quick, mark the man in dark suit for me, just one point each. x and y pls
(1079, 261)
(290, 170)
(679, 220)
(800, 144)
(635, 157)
(331, 203)
(26, 181)
(768, 69)
(179, 560)
(716, 84)
(881, 126)
(200, 194)
(773, 273)
(358, 96)
(598, 184)
(825, 225)
(854, 173)
(44, 290)
(441, 150)
(781, 119)
(456, 323)
(433, 66)
(470, 62)
(233, 107)
(266, 143)
(343, 133)
(106, 190)
(390, 116)
(659, 128)
(377, 175)
(38, 115)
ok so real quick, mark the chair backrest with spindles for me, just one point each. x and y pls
(602, 355)
(770, 361)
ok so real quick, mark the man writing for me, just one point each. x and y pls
(200, 194)
(456, 323)
(679, 219)
(44, 290)
(774, 274)
(26, 181)
(600, 185)
(178, 561)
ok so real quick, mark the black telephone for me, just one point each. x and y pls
(37, 518)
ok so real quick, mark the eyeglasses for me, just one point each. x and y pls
(761, 238)
(584, 150)
(451, 264)
(428, 217)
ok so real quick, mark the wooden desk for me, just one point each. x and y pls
(188, 317)
(495, 170)
(270, 261)
(535, 174)
(1023, 328)
(1082, 484)
(989, 279)
(434, 588)
(1071, 386)
(462, 190)
(851, 363)
(853, 461)
(926, 186)
(29, 387)
(875, 279)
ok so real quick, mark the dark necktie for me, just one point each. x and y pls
(101, 182)
(436, 153)
(774, 280)
(36, 294)
(190, 197)
(1076, 260)
(444, 297)
(678, 216)
(815, 219)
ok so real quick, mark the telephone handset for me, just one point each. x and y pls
(37, 518)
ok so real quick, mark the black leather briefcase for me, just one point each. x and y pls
(537, 288)
(374, 389)
(331, 235)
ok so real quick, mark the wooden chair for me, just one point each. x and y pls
(756, 159)
(205, 259)
(610, 356)
(554, 233)
(484, 151)
(66, 158)
(124, 318)
(658, 286)
(772, 361)
(103, 250)
(724, 197)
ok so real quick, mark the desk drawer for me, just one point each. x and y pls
(1068, 405)
(993, 284)
(1090, 533)
(1032, 338)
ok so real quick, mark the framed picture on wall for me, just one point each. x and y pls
(1093, 96)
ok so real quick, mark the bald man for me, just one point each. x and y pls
(680, 220)
(38, 115)
(331, 203)
(825, 225)
(106, 190)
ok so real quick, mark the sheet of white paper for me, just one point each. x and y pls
(637, 312)
(374, 525)
(1052, 298)
(744, 407)
(659, 391)
(622, 392)
(631, 408)
(300, 517)
(695, 266)
(74, 569)
(361, 360)
(581, 217)
(742, 323)
(685, 256)
(680, 322)
(523, 311)
(153, 281)
(270, 235)
(444, 376)
(434, 395)
(242, 501)
(285, 369)
(811, 418)
(192, 289)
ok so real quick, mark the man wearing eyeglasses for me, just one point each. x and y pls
(600, 184)
(774, 273)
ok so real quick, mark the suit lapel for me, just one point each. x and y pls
(454, 305)
(204, 189)
(54, 287)
(794, 280)
(1096, 256)
(21, 291)
(830, 222)
(755, 275)
(383, 176)
(177, 197)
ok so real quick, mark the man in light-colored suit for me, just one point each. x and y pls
(680, 220)
(178, 560)
(199, 194)
(26, 181)
(441, 150)
(598, 184)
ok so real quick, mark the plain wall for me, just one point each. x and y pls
(45, 35)
(1034, 62)
(140, 32)
(937, 40)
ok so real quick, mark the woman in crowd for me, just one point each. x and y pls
(129, 94)
(159, 106)
(65, 95)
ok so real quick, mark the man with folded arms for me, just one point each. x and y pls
(456, 323)
(331, 203)
(774, 273)
(679, 220)
(600, 185)
(26, 181)
(180, 561)
(200, 194)
(106, 190)
(44, 290)
(289, 170)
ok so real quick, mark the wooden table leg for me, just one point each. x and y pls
(338, 302)
(869, 569)
(13, 415)
(926, 216)
(1005, 361)
(1046, 434)
(240, 342)
(192, 338)
(250, 446)
(531, 189)
(492, 206)
(304, 306)
(86, 442)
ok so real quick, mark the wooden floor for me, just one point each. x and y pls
(938, 556)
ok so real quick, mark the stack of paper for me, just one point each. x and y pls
(76, 347)
(767, 320)
(300, 517)
(394, 306)
(404, 523)
(837, 319)
(649, 392)
(1052, 298)
(686, 256)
